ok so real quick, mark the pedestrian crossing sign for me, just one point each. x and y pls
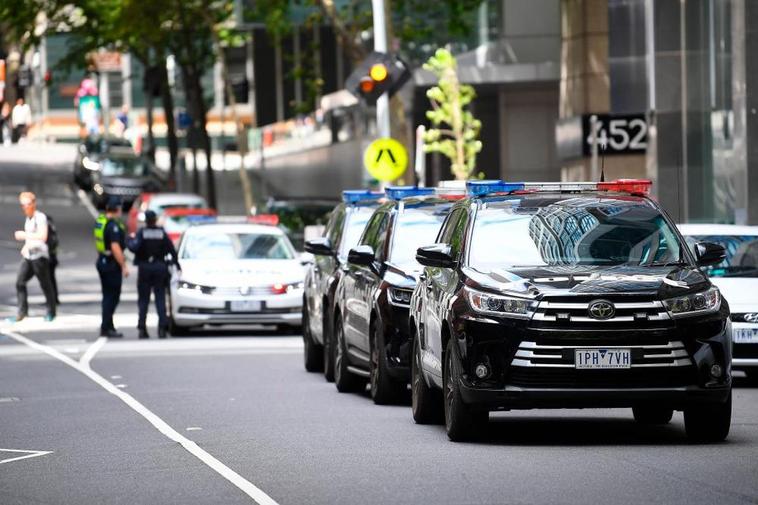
(385, 159)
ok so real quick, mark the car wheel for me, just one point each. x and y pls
(708, 422)
(313, 355)
(647, 414)
(426, 403)
(345, 381)
(329, 353)
(462, 421)
(384, 389)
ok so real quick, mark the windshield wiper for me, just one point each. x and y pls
(667, 263)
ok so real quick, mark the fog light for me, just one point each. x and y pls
(716, 371)
(481, 371)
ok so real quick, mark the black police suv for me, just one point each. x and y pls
(568, 296)
(89, 153)
(373, 295)
(344, 228)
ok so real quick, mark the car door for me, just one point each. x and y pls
(369, 283)
(437, 294)
(320, 276)
(353, 282)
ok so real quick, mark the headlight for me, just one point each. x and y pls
(206, 290)
(89, 164)
(500, 305)
(690, 305)
(400, 296)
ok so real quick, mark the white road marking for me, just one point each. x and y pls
(87, 203)
(121, 386)
(233, 477)
(194, 428)
(91, 351)
(27, 455)
(93, 297)
(114, 377)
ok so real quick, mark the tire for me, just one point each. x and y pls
(708, 423)
(648, 414)
(751, 377)
(313, 354)
(426, 403)
(462, 421)
(345, 381)
(384, 389)
(329, 353)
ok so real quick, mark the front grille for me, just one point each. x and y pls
(573, 314)
(226, 311)
(747, 317)
(123, 190)
(534, 355)
(618, 379)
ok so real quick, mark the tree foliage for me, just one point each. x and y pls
(455, 131)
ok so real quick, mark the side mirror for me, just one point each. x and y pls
(319, 247)
(361, 255)
(437, 255)
(709, 253)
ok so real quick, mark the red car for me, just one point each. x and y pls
(159, 203)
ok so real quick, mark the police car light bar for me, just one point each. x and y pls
(400, 192)
(630, 186)
(357, 195)
(485, 187)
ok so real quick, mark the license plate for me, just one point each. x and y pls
(745, 335)
(245, 305)
(602, 358)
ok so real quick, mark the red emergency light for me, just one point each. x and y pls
(631, 186)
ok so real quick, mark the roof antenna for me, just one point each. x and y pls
(602, 160)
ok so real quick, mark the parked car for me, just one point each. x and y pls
(121, 174)
(344, 228)
(176, 220)
(737, 279)
(374, 293)
(236, 274)
(568, 295)
(89, 153)
(158, 203)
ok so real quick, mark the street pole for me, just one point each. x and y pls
(380, 45)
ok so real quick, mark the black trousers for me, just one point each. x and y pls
(152, 277)
(39, 268)
(53, 266)
(110, 281)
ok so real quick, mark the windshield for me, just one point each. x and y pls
(543, 231)
(415, 228)
(356, 222)
(221, 246)
(741, 254)
(123, 166)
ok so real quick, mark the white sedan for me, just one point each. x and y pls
(236, 274)
(737, 279)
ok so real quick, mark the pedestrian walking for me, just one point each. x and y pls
(153, 252)
(111, 265)
(21, 119)
(5, 123)
(36, 259)
(52, 247)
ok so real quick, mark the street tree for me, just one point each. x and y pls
(455, 131)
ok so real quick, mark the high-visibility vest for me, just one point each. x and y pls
(99, 233)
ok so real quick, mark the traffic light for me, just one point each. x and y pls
(379, 73)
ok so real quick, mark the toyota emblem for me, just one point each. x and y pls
(601, 309)
(751, 318)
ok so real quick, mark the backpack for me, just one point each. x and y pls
(52, 236)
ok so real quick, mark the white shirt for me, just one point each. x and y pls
(33, 248)
(21, 114)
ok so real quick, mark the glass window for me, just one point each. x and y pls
(572, 231)
(741, 254)
(229, 246)
(356, 223)
(414, 228)
(112, 167)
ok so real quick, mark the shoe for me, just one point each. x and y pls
(111, 334)
(49, 317)
(161, 332)
(16, 318)
(143, 333)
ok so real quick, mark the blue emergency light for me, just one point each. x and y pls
(400, 192)
(484, 187)
(357, 195)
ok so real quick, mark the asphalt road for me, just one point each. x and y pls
(232, 417)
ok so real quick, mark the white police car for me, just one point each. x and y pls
(236, 274)
(737, 279)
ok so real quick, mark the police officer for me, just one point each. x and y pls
(110, 238)
(151, 246)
